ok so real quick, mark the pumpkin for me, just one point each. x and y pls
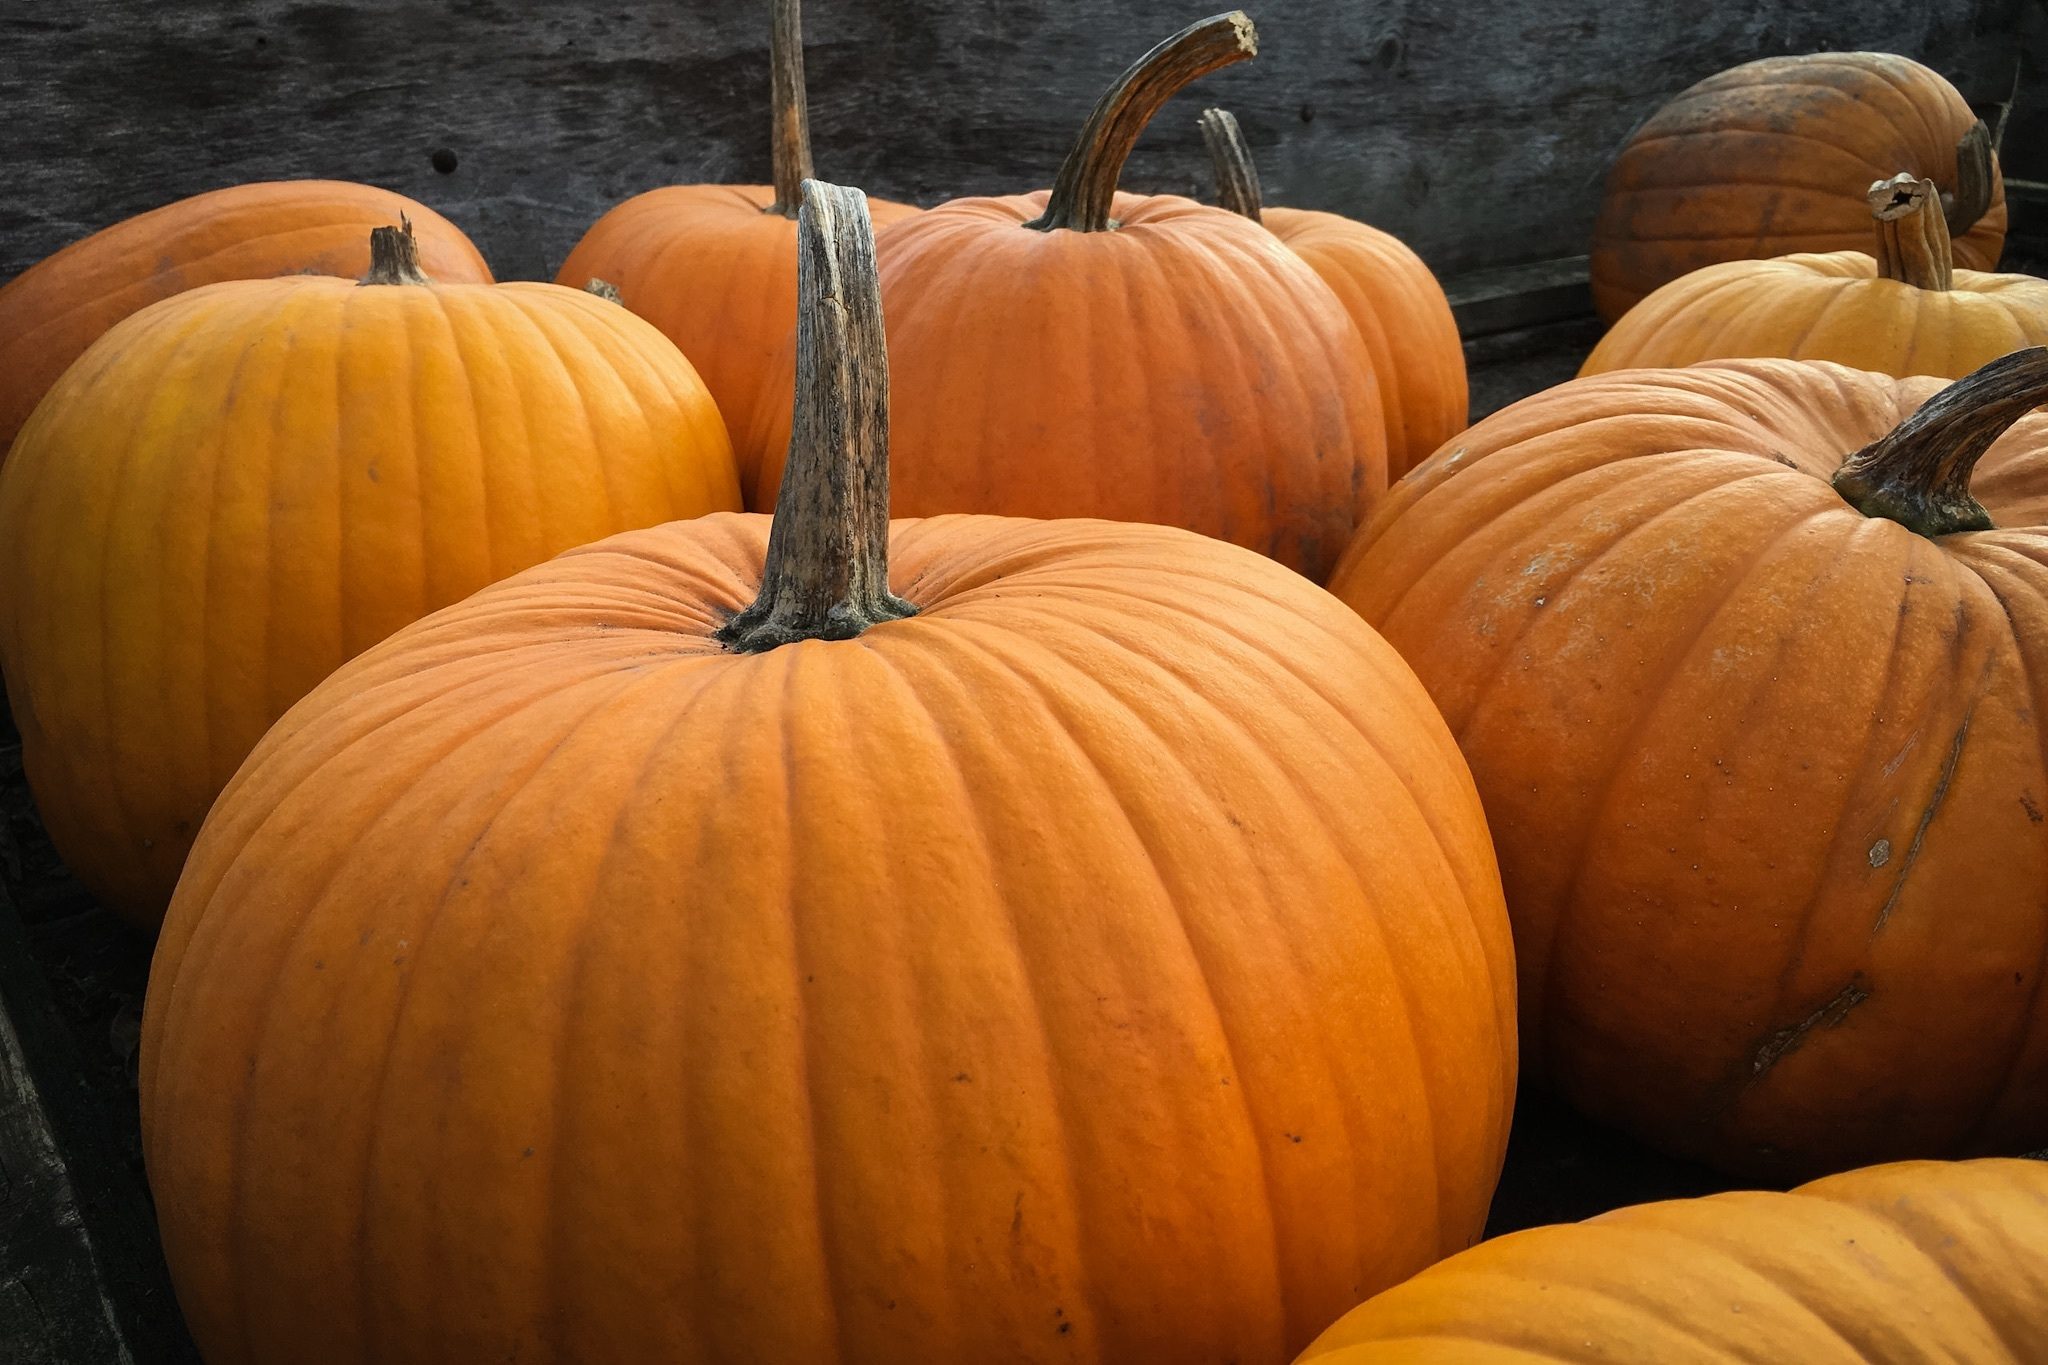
(1770, 157)
(607, 969)
(1750, 684)
(1391, 296)
(1895, 1265)
(712, 265)
(1904, 309)
(55, 309)
(1084, 353)
(242, 486)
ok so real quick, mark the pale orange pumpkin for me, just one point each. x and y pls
(1894, 1265)
(241, 486)
(1085, 353)
(1901, 309)
(55, 309)
(1747, 658)
(713, 266)
(1392, 298)
(1004, 940)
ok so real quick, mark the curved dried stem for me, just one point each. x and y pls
(1976, 171)
(1237, 175)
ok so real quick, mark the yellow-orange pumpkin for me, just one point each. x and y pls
(714, 266)
(1766, 759)
(1081, 352)
(1902, 1264)
(55, 309)
(1771, 157)
(1901, 309)
(241, 486)
(1099, 958)
(1392, 298)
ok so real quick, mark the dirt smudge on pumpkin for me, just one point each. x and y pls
(1941, 785)
(1773, 1048)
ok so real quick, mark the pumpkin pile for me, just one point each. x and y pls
(999, 906)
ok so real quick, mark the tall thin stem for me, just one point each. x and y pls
(1237, 175)
(792, 151)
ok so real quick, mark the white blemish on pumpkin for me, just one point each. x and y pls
(1880, 853)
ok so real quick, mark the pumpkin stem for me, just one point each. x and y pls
(1912, 239)
(1919, 475)
(395, 256)
(827, 571)
(792, 151)
(1086, 186)
(605, 290)
(1974, 174)
(1237, 175)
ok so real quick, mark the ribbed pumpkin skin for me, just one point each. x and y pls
(716, 272)
(1828, 307)
(1903, 1264)
(1773, 157)
(1401, 312)
(1105, 964)
(241, 487)
(1179, 369)
(1766, 776)
(55, 309)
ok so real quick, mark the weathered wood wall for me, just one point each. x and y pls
(1478, 130)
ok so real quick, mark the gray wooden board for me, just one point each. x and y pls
(1479, 132)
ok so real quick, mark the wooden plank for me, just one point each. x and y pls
(54, 1304)
(1518, 297)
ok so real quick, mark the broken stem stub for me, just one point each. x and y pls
(1237, 175)
(791, 154)
(395, 256)
(827, 571)
(1912, 244)
(1086, 185)
(1919, 475)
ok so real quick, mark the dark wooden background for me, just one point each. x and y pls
(1479, 131)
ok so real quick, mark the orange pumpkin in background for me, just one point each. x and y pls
(1747, 659)
(713, 266)
(1771, 157)
(1894, 1265)
(1085, 353)
(1003, 940)
(56, 308)
(1901, 309)
(1393, 299)
(241, 486)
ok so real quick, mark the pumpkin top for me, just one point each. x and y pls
(1083, 193)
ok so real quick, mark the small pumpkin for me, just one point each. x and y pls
(1901, 309)
(607, 969)
(56, 308)
(1768, 158)
(712, 265)
(241, 486)
(1748, 669)
(1085, 353)
(1894, 1265)
(1392, 298)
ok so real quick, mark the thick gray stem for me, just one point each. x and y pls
(827, 571)
(792, 150)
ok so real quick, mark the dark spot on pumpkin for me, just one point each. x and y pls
(444, 160)
(2033, 811)
(1066, 1327)
(525, 1154)
(961, 1077)
(1294, 1138)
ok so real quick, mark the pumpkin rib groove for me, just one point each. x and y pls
(206, 596)
(466, 357)
(380, 1099)
(1910, 1233)
(2023, 1035)
(1737, 577)
(438, 316)
(553, 341)
(1762, 176)
(1174, 914)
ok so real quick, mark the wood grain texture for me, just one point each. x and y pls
(1478, 133)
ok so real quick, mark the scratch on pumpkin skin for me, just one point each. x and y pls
(1941, 786)
(1773, 1049)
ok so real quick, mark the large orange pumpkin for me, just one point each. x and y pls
(1904, 1264)
(1084, 353)
(713, 266)
(1761, 737)
(1771, 157)
(1901, 309)
(53, 310)
(1392, 298)
(242, 486)
(1005, 940)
